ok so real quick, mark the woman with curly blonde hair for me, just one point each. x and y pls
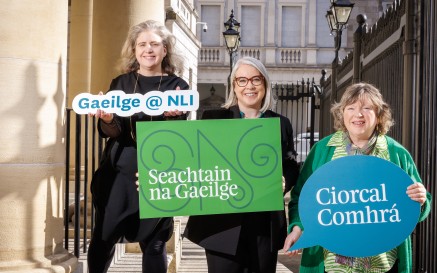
(359, 92)
(148, 63)
(172, 63)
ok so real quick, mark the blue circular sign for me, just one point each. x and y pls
(357, 206)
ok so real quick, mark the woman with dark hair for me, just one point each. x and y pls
(149, 63)
(362, 118)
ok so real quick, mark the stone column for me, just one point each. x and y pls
(409, 89)
(79, 66)
(311, 58)
(271, 27)
(33, 56)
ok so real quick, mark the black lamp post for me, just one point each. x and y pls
(231, 21)
(232, 40)
(337, 17)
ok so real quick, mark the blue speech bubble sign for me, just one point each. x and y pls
(357, 206)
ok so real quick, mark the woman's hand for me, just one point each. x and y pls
(137, 182)
(417, 192)
(292, 238)
(283, 183)
(105, 117)
(174, 113)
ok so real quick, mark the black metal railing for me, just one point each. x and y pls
(426, 250)
(298, 103)
(78, 139)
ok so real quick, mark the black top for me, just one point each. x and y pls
(115, 194)
(221, 232)
(129, 84)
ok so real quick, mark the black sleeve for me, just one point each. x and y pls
(183, 85)
(290, 167)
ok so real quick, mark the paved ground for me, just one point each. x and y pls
(193, 260)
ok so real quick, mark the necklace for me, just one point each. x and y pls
(132, 133)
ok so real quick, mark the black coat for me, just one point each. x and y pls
(221, 232)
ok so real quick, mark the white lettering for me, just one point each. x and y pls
(152, 174)
(326, 196)
(326, 217)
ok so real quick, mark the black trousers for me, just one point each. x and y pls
(101, 252)
(253, 256)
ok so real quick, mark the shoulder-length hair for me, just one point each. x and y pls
(173, 62)
(232, 98)
(357, 92)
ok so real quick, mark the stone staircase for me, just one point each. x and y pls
(183, 256)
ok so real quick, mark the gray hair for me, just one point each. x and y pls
(268, 99)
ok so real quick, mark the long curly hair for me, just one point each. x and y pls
(173, 62)
(357, 92)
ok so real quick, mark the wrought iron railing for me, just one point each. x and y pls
(298, 102)
(83, 150)
(426, 128)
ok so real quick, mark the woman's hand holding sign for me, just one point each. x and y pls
(174, 113)
(290, 240)
(105, 117)
(137, 182)
(417, 192)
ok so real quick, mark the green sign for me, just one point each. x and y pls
(209, 167)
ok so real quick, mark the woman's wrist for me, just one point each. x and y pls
(111, 122)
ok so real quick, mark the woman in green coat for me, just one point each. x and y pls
(361, 119)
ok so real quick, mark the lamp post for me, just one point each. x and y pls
(232, 40)
(337, 17)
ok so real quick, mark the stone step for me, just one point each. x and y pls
(192, 258)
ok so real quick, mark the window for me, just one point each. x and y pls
(291, 26)
(250, 26)
(210, 15)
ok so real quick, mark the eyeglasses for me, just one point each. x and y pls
(243, 81)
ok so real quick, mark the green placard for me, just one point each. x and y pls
(209, 167)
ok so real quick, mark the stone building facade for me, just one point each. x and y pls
(291, 37)
(50, 51)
